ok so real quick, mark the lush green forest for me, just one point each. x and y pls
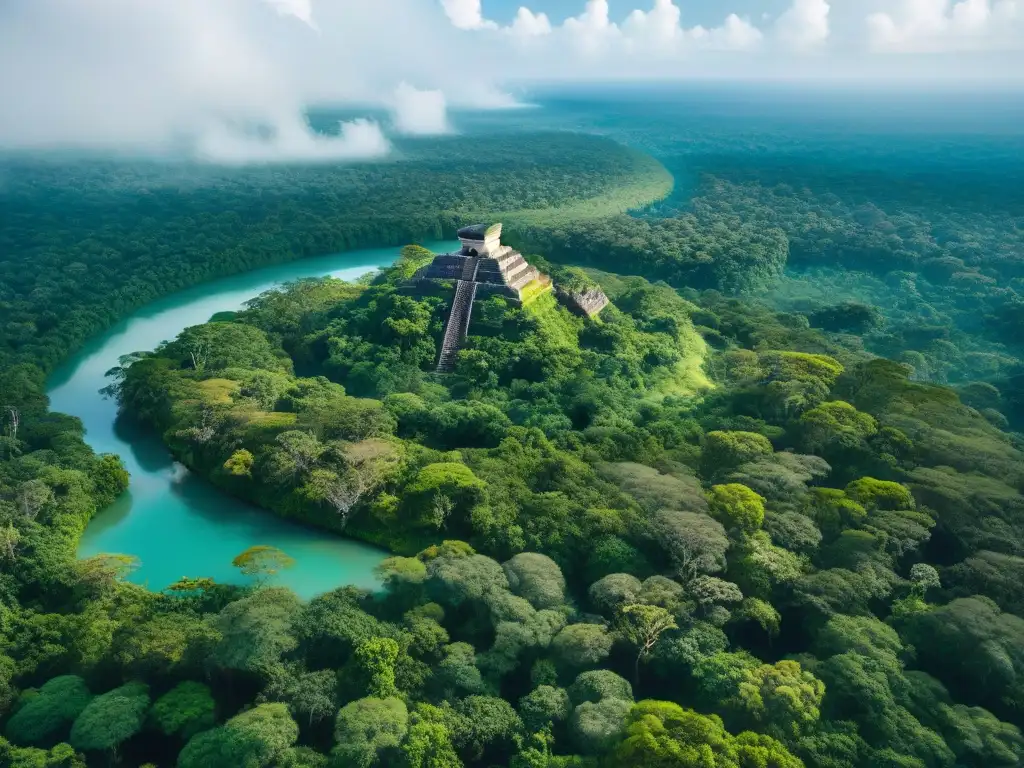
(763, 512)
(693, 531)
(714, 245)
(84, 242)
(933, 280)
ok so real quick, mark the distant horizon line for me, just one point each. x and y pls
(526, 94)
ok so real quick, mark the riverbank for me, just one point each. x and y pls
(123, 235)
(176, 523)
(108, 239)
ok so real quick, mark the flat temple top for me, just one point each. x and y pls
(479, 231)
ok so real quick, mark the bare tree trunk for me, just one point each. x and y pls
(14, 421)
(343, 496)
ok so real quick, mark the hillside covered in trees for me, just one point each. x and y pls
(765, 511)
(693, 531)
(85, 241)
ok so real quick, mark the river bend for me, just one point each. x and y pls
(173, 521)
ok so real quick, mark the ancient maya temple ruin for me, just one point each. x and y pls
(483, 266)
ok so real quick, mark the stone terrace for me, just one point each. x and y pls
(496, 268)
(483, 266)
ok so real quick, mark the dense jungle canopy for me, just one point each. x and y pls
(763, 511)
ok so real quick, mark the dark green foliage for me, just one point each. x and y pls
(582, 645)
(310, 696)
(847, 317)
(332, 625)
(692, 542)
(597, 685)
(595, 727)
(256, 738)
(185, 710)
(782, 698)
(611, 592)
(543, 707)
(994, 574)
(741, 258)
(368, 732)
(111, 718)
(213, 347)
(256, 630)
(729, 502)
(975, 648)
(47, 714)
(536, 578)
(484, 725)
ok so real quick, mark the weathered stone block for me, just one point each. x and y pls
(589, 303)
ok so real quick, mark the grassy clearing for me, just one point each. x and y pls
(218, 391)
(650, 183)
(559, 326)
(534, 290)
(687, 380)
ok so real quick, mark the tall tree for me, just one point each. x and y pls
(262, 562)
(111, 719)
(256, 738)
(642, 625)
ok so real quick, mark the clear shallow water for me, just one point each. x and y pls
(174, 522)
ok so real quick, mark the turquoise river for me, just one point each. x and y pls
(174, 522)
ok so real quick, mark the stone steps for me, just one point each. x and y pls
(469, 269)
(524, 277)
(458, 325)
(516, 272)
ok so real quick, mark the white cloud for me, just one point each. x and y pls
(805, 25)
(651, 35)
(659, 26)
(594, 44)
(971, 15)
(201, 75)
(300, 9)
(292, 141)
(592, 29)
(466, 14)
(419, 112)
(530, 24)
(122, 73)
(938, 25)
(594, 17)
(483, 96)
(224, 80)
(735, 35)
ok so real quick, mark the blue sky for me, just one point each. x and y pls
(881, 40)
(705, 12)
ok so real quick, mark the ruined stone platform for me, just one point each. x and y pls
(494, 267)
(481, 267)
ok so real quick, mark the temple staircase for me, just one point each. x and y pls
(458, 320)
(469, 269)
